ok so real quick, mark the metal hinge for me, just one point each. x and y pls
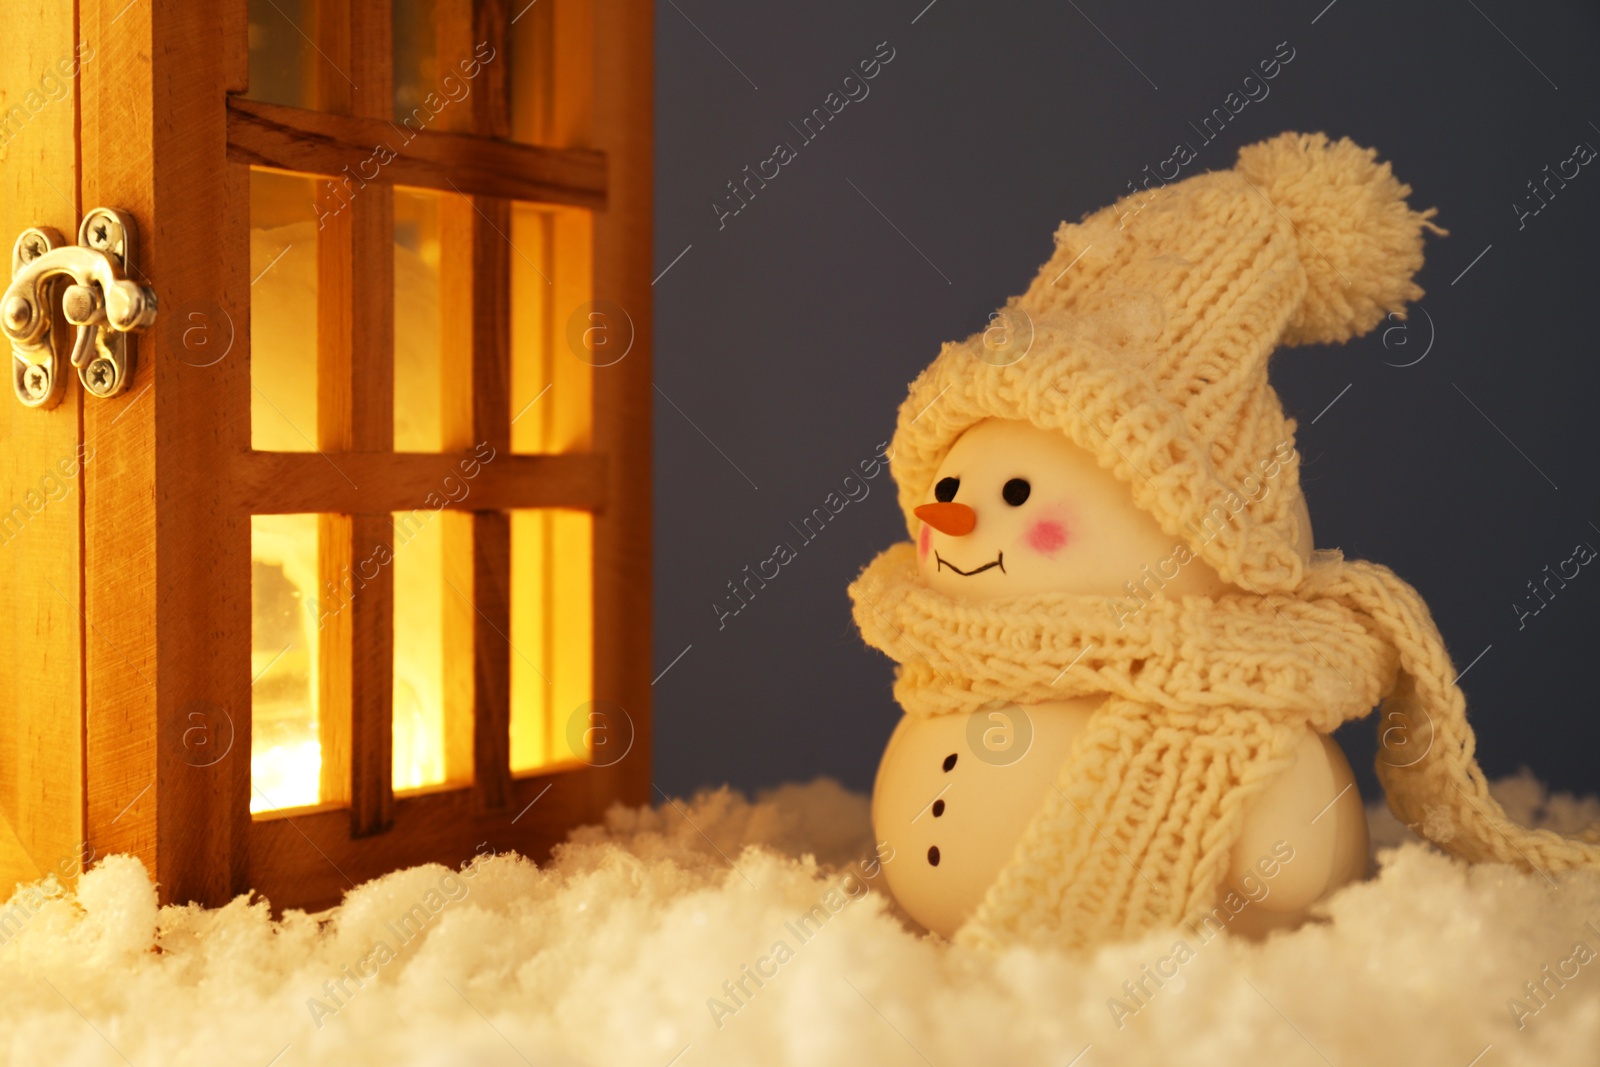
(100, 301)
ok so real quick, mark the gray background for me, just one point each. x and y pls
(786, 338)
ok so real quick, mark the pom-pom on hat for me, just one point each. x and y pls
(1145, 338)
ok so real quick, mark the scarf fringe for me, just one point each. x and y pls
(1440, 792)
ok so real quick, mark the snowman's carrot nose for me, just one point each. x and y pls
(957, 520)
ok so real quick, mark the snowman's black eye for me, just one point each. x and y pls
(1016, 492)
(945, 491)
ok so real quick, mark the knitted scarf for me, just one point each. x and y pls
(1204, 700)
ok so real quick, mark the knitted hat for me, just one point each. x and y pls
(1145, 339)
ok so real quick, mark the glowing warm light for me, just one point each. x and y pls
(551, 627)
(551, 631)
(552, 551)
(419, 537)
(286, 754)
(551, 565)
(418, 651)
(285, 775)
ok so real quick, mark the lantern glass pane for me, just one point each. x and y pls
(537, 117)
(418, 366)
(558, 336)
(555, 335)
(415, 49)
(283, 312)
(552, 637)
(286, 753)
(420, 595)
(282, 58)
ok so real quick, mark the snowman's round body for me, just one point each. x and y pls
(954, 793)
(951, 814)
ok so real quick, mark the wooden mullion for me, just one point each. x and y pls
(372, 680)
(491, 547)
(491, 322)
(491, 419)
(491, 24)
(355, 412)
(372, 151)
(479, 294)
(460, 27)
(332, 78)
(491, 641)
(279, 483)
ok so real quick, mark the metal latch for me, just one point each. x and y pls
(101, 301)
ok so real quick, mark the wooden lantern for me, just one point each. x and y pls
(413, 448)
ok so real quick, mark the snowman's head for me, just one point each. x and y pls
(1016, 509)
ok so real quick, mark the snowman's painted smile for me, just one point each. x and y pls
(998, 561)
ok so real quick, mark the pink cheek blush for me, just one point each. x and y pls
(1046, 536)
(924, 541)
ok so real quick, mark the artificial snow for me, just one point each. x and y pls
(719, 931)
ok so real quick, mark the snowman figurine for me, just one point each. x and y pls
(1118, 653)
(1015, 510)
